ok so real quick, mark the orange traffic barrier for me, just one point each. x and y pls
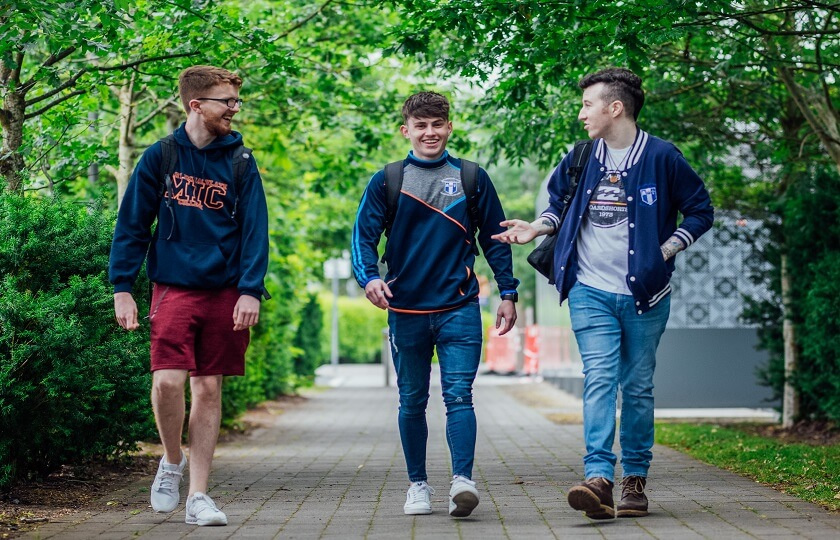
(531, 365)
(501, 352)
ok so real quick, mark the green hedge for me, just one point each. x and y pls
(360, 326)
(72, 384)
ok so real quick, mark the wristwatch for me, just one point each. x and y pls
(513, 297)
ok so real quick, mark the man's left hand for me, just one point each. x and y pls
(507, 311)
(246, 313)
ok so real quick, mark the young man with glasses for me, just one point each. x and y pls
(207, 258)
(613, 260)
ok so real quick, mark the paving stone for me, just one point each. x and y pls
(332, 467)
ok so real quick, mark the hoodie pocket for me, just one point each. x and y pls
(190, 264)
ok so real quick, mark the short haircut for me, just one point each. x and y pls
(426, 105)
(620, 84)
(197, 80)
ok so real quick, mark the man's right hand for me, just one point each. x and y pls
(126, 310)
(377, 292)
(519, 232)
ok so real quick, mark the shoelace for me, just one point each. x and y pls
(632, 484)
(168, 481)
(417, 492)
(461, 479)
(199, 504)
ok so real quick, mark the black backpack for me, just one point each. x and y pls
(169, 160)
(469, 179)
(542, 257)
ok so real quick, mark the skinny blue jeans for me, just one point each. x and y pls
(457, 335)
(618, 348)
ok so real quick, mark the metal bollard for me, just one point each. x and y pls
(386, 356)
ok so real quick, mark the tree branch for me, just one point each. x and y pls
(155, 112)
(306, 19)
(67, 84)
(53, 59)
(129, 65)
(49, 106)
(818, 58)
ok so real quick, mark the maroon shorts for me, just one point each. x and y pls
(192, 330)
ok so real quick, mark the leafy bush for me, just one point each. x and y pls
(72, 385)
(809, 234)
(309, 338)
(269, 362)
(360, 326)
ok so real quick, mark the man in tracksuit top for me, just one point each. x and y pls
(613, 261)
(207, 258)
(431, 292)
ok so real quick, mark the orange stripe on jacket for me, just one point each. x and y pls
(435, 209)
(419, 312)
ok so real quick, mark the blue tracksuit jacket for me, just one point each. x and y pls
(429, 253)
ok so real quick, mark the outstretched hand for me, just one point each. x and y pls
(377, 292)
(519, 232)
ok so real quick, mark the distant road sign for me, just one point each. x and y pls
(337, 268)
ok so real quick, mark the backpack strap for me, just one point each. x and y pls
(580, 156)
(393, 185)
(469, 181)
(168, 162)
(241, 157)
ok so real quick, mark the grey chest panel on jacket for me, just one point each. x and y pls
(439, 187)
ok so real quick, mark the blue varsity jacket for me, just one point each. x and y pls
(659, 183)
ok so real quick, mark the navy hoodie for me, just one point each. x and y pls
(206, 246)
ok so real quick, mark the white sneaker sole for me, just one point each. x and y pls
(206, 522)
(417, 511)
(462, 504)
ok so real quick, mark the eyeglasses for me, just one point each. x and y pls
(229, 102)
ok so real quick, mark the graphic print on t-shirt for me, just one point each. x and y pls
(608, 206)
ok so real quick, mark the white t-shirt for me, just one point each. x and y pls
(604, 238)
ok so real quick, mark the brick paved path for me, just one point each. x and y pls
(332, 468)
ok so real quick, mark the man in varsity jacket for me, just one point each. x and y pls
(613, 260)
(431, 292)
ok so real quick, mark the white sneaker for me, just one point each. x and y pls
(463, 497)
(165, 488)
(201, 510)
(418, 500)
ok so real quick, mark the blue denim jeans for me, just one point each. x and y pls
(618, 348)
(457, 335)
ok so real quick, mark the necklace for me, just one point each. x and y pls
(615, 170)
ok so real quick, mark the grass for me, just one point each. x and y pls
(809, 472)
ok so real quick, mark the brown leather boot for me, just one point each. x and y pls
(633, 501)
(593, 496)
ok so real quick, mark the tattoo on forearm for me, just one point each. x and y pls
(671, 247)
(548, 223)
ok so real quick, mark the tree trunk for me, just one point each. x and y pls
(11, 118)
(126, 149)
(174, 117)
(817, 112)
(790, 399)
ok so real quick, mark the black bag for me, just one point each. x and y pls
(542, 257)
